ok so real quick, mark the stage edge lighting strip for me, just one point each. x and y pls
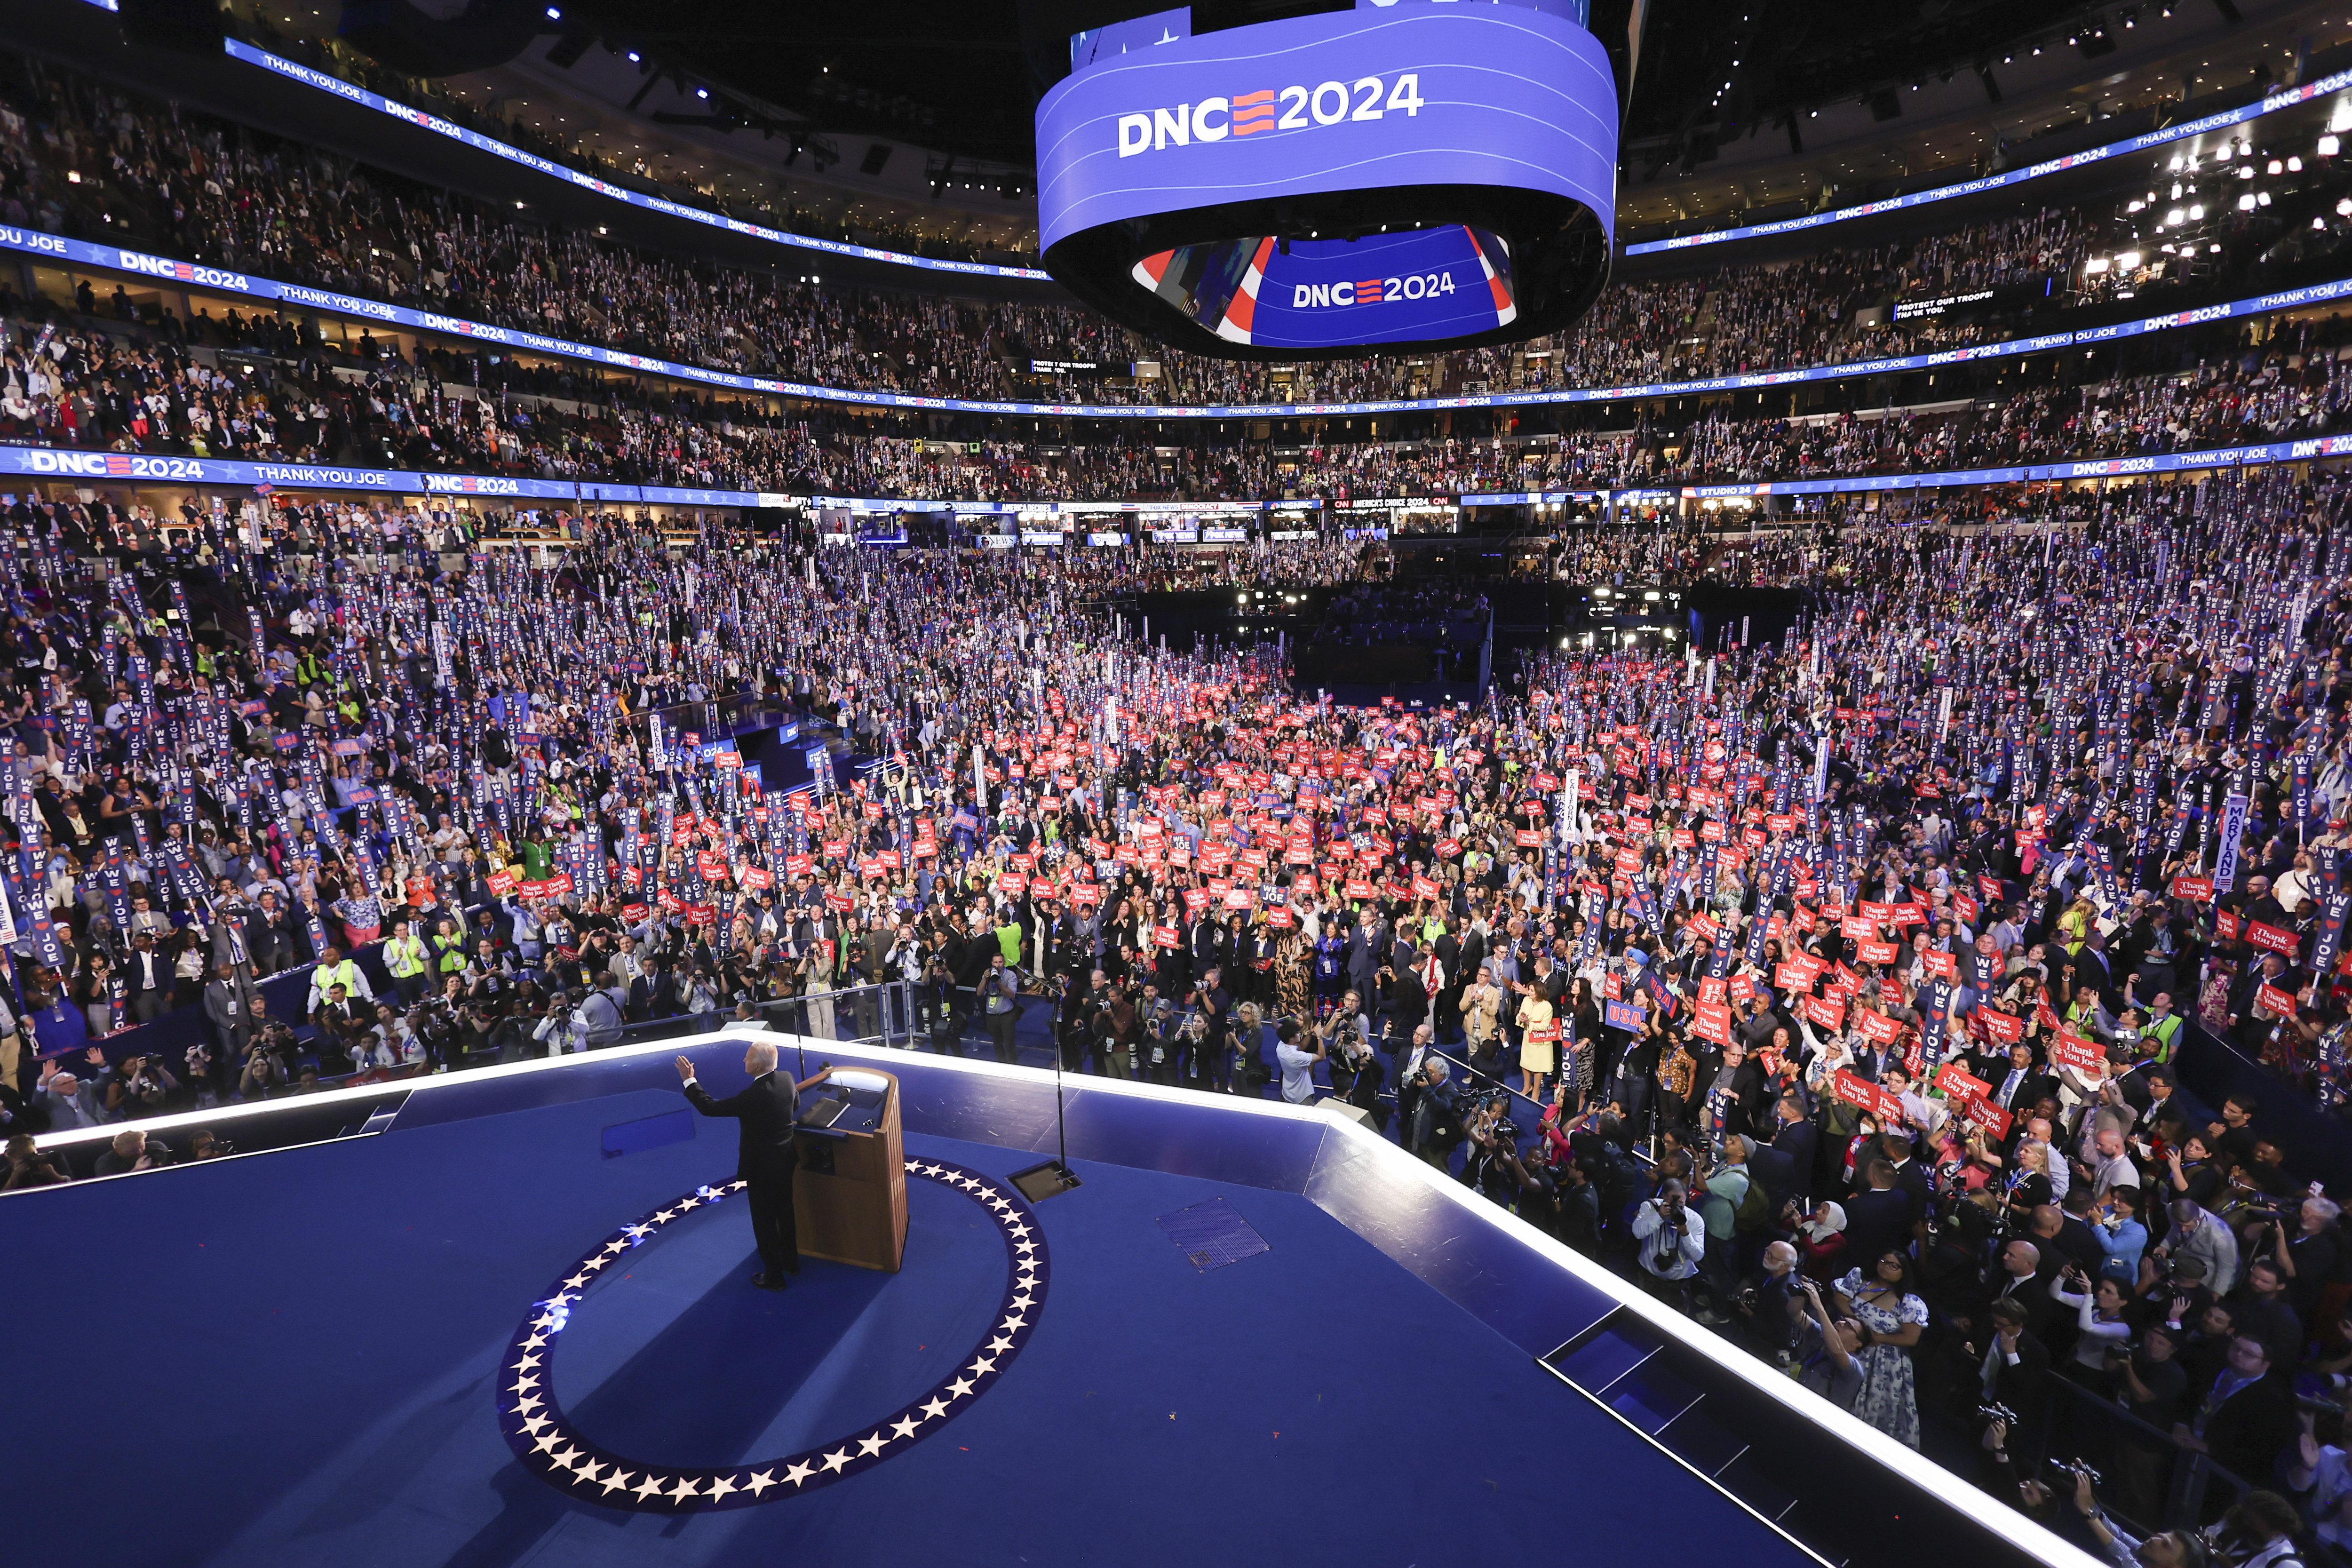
(2221, 120)
(2010, 1525)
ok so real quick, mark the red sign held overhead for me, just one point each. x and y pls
(2270, 939)
(1887, 1107)
(1878, 1029)
(1985, 1114)
(2074, 1051)
(1962, 1084)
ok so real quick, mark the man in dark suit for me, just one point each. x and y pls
(768, 1106)
(1878, 1219)
(2012, 1370)
(149, 973)
(1795, 1136)
(2018, 1278)
(2023, 1084)
(2247, 1418)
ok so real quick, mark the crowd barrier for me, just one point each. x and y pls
(2317, 1143)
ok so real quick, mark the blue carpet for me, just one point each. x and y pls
(293, 1356)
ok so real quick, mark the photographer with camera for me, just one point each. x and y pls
(2102, 1342)
(1825, 1349)
(555, 1032)
(2076, 1484)
(1297, 1061)
(1671, 1239)
(1436, 1126)
(27, 1166)
(131, 1151)
(2151, 1384)
(1768, 1306)
(1495, 1168)
(1355, 1066)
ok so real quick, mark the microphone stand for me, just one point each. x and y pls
(1039, 1182)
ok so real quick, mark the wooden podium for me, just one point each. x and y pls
(849, 1198)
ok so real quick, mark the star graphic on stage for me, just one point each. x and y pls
(544, 1440)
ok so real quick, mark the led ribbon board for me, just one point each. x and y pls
(1419, 175)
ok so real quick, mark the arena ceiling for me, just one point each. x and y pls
(962, 75)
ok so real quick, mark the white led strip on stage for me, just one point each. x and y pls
(2000, 1520)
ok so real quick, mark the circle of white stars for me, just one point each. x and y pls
(544, 1440)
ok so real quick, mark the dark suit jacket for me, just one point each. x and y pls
(2247, 1432)
(2030, 1293)
(1800, 1141)
(2019, 1386)
(2031, 1090)
(1875, 1221)
(1777, 1171)
(1911, 1180)
(149, 971)
(766, 1108)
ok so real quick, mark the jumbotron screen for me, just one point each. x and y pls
(1406, 173)
(1416, 287)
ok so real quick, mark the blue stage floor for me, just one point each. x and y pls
(293, 1360)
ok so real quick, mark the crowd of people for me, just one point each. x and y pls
(75, 382)
(79, 158)
(1836, 984)
(1859, 956)
(777, 207)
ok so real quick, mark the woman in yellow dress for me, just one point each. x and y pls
(1535, 1055)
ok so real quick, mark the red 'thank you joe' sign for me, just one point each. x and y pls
(1882, 1103)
